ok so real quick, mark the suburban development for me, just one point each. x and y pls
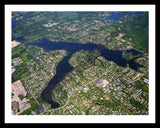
(80, 63)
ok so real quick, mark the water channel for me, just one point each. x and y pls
(64, 67)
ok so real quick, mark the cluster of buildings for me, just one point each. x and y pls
(114, 86)
(84, 85)
(42, 70)
(19, 104)
(15, 62)
(82, 31)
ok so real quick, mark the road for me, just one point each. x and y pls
(73, 92)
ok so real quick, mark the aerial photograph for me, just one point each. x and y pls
(80, 63)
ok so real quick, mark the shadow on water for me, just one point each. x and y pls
(64, 67)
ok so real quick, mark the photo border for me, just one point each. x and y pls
(80, 119)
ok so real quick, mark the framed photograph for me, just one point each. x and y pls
(80, 63)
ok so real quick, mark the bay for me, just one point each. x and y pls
(64, 67)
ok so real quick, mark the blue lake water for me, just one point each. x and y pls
(22, 39)
(14, 31)
(14, 22)
(64, 67)
(117, 16)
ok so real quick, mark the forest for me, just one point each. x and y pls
(22, 71)
(137, 30)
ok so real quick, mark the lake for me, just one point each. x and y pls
(64, 67)
(118, 15)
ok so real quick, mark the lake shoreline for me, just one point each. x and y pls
(64, 67)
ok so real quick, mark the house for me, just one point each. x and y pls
(15, 105)
(33, 113)
(117, 82)
(146, 81)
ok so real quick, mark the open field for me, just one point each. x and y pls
(14, 43)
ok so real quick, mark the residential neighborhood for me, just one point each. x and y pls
(89, 63)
